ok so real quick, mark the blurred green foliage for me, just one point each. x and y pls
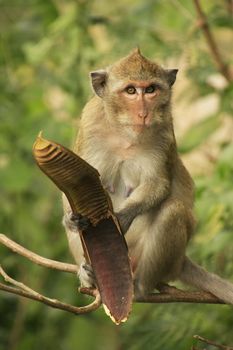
(47, 48)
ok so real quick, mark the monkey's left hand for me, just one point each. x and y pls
(125, 218)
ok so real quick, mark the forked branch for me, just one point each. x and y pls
(54, 302)
(167, 295)
(24, 291)
(37, 259)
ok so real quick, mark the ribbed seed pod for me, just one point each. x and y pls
(103, 243)
(75, 177)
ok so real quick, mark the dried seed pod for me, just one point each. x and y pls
(110, 262)
(75, 177)
(103, 243)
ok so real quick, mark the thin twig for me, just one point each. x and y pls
(53, 302)
(19, 285)
(37, 259)
(203, 24)
(210, 342)
(27, 292)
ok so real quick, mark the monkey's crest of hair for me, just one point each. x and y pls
(135, 66)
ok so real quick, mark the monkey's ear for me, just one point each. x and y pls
(98, 80)
(171, 76)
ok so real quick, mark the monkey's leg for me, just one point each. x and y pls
(84, 270)
(162, 247)
(86, 275)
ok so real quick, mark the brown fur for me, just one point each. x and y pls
(151, 191)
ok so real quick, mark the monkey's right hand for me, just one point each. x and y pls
(86, 276)
(74, 222)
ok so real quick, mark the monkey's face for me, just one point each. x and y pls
(137, 102)
(135, 91)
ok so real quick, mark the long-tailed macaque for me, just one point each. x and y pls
(126, 133)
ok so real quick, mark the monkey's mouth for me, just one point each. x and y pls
(138, 127)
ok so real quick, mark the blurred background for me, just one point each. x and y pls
(47, 48)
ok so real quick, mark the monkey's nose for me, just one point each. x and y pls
(143, 114)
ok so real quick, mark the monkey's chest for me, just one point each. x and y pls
(120, 175)
(126, 178)
(120, 181)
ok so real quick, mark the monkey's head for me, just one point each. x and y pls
(135, 91)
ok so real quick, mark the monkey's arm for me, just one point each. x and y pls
(149, 194)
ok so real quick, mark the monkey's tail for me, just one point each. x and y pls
(196, 276)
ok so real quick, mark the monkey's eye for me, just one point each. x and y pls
(150, 89)
(130, 90)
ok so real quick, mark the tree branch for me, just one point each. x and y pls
(29, 293)
(180, 296)
(53, 302)
(37, 259)
(214, 50)
(210, 342)
(24, 291)
(168, 294)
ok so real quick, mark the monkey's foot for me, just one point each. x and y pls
(75, 223)
(86, 276)
(139, 290)
(166, 288)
